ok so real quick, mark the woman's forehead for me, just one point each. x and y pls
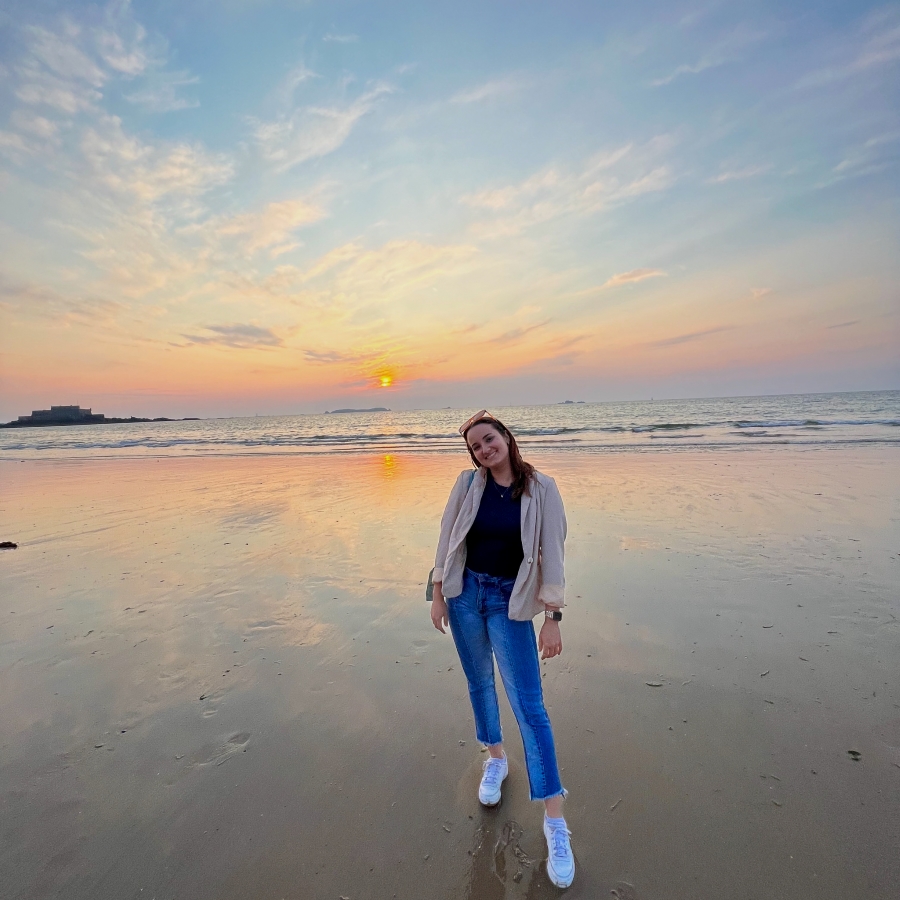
(478, 432)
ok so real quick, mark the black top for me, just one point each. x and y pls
(494, 542)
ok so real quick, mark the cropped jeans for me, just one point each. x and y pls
(482, 630)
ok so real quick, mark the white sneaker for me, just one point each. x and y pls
(560, 859)
(495, 771)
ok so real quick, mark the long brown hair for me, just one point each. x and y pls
(522, 471)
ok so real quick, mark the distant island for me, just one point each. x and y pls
(564, 402)
(329, 412)
(75, 415)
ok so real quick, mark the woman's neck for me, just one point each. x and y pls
(503, 474)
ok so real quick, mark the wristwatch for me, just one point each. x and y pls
(554, 614)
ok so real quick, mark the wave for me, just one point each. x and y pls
(813, 423)
(672, 426)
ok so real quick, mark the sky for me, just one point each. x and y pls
(238, 208)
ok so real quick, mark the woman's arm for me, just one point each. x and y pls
(439, 609)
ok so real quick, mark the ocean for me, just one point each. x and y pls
(807, 420)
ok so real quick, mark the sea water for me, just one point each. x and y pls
(810, 420)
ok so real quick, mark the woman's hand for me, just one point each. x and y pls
(549, 640)
(439, 609)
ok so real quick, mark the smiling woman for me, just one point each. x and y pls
(499, 563)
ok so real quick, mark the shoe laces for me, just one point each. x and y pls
(559, 838)
(493, 768)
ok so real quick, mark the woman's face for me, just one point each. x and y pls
(488, 445)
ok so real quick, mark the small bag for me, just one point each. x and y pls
(429, 588)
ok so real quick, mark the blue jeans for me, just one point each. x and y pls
(482, 630)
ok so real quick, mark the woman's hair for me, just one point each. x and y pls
(522, 471)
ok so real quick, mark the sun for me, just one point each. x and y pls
(386, 380)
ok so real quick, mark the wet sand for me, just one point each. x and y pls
(220, 681)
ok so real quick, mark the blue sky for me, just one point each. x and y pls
(215, 208)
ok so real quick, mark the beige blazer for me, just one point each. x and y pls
(541, 580)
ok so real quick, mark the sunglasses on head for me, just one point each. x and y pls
(483, 414)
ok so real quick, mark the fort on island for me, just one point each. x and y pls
(75, 415)
(57, 415)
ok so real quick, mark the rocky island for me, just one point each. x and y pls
(329, 412)
(75, 415)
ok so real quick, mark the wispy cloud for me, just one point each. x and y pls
(706, 62)
(727, 50)
(272, 227)
(515, 334)
(605, 180)
(312, 131)
(691, 336)
(489, 90)
(633, 277)
(871, 156)
(161, 92)
(756, 293)
(845, 324)
(340, 38)
(67, 65)
(238, 337)
(33, 300)
(738, 174)
(877, 44)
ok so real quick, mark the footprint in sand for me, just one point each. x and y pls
(211, 703)
(237, 743)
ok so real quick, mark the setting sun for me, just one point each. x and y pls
(386, 381)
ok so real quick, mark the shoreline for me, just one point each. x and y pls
(538, 449)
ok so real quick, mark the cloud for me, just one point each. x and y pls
(60, 53)
(331, 356)
(312, 131)
(39, 87)
(488, 91)
(126, 165)
(32, 300)
(605, 180)
(67, 65)
(161, 92)
(707, 62)
(877, 44)
(238, 337)
(844, 324)
(633, 277)
(726, 50)
(340, 38)
(692, 336)
(738, 174)
(867, 158)
(122, 41)
(273, 226)
(515, 334)
(760, 292)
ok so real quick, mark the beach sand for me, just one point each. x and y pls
(219, 680)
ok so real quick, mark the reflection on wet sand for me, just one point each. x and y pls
(220, 681)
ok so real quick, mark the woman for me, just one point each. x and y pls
(499, 564)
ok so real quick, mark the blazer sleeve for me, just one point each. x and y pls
(553, 537)
(448, 520)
